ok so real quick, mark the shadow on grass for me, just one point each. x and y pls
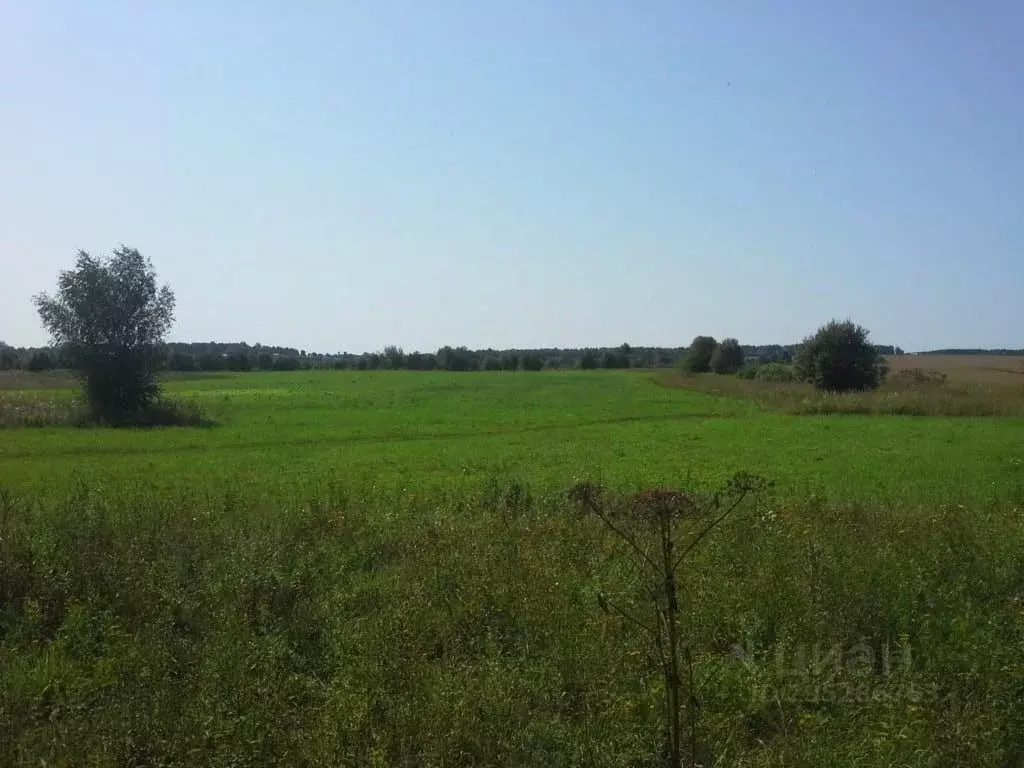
(163, 413)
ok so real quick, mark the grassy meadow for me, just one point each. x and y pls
(282, 435)
(383, 569)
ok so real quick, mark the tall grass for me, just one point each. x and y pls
(35, 409)
(139, 628)
(17, 379)
(38, 409)
(904, 393)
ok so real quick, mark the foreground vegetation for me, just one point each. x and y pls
(385, 568)
(146, 628)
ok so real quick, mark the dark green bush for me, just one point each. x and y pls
(161, 413)
(775, 372)
(749, 373)
(698, 357)
(728, 357)
(839, 358)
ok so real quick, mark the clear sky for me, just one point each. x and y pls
(341, 176)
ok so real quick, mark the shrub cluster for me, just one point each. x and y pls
(769, 372)
(839, 358)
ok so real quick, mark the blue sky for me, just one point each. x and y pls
(341, 176)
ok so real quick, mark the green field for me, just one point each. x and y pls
(286, 433)
(383, 569)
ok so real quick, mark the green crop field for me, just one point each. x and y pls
(384, 569)
(282, 433)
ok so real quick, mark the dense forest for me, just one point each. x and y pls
(240, 356)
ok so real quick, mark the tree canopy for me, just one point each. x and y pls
(839, 358)
(109, 319)
(698, 357)
(728, 357)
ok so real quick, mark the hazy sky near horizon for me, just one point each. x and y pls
(341, 176)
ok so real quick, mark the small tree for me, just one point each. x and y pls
(181, 361)
(395, 357)
(8, 358)
(210, 361)
(698, 357)
(419, 361)
(839, 358)
(728, 357)
(109, 319)
(532, 362)
(458, 359)
(39, 361)
(615, 360)
(238, 360)
(589, 360)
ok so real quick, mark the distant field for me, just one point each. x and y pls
(286, 433)
(916, 385)
(997, 370)
(18, 380)
(25, 380)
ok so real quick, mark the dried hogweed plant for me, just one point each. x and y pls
(661, 527)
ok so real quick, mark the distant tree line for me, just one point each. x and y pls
(214, 356)
(242, 357)
(30, 358)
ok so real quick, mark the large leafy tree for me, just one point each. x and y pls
(839, 358)
(109, 318)
(728, 357)
(698, 357)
